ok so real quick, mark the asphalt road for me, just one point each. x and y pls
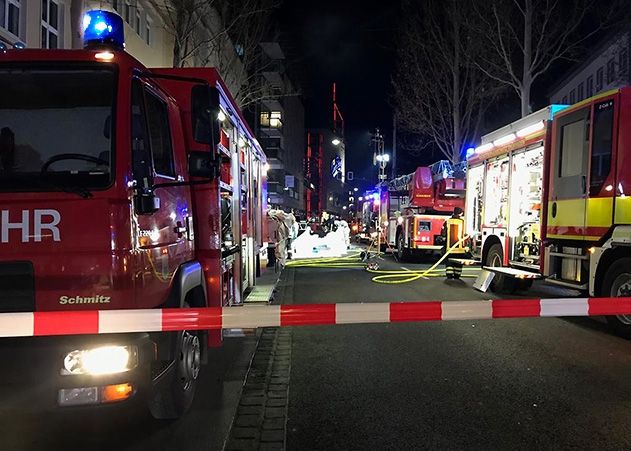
(23, 426)
(503, 384)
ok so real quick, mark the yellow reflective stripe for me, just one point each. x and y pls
(623, 210)
(573, 237)
(571, 212)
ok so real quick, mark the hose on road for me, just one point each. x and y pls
(389, 277)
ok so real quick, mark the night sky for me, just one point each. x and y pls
(353, 44)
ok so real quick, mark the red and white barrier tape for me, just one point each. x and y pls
(121, 321)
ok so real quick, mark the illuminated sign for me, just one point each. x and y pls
(336, 167)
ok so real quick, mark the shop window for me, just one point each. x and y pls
(601, 146)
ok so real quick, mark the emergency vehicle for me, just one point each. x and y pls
(123, 187)
(414, 209)
(548, 198)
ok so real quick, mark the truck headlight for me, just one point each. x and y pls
(101, 360)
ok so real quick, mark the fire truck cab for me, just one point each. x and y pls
(122, 187)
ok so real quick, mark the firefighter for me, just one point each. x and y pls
(453, 270)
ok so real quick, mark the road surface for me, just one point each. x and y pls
(504, 384)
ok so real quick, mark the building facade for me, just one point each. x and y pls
(149, 35)
(604, 69)
(280, 128)
(56, 24)
(325, 169)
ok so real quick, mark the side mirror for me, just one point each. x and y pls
(146, 202)
(202, 164)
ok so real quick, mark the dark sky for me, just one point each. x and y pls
(352, 43)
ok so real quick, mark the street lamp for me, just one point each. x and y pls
(336, 141)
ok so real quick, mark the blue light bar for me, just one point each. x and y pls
(103, 28)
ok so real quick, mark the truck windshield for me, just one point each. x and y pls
(56, 128)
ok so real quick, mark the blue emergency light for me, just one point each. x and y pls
(103, 28)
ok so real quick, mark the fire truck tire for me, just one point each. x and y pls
(617, 283)
(500, 283)
(172, 396)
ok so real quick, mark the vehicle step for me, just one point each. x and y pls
(513, 272)
(572, 256)
(566, 284)
(524, 265)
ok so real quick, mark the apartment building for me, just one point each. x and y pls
(607, 67)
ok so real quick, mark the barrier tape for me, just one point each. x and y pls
(245, 317)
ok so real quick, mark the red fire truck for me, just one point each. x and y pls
(123, 187)
(548, 198)
(414, 209)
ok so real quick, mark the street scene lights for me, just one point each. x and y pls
(336, 141)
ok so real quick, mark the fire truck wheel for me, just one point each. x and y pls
(618, 283)
(494, 259)
(173, 396)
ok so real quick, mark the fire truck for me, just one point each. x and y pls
(548, 198)
(123, 187)
(414, 209)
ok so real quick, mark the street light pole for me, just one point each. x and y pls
(381, 159)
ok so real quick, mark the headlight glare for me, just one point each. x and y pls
(101, 360)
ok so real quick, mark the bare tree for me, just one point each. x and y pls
(223, 33)
(525, 38)
(439, 93)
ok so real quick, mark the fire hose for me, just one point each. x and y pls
(357, 260)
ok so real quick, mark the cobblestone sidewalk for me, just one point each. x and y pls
(261, 418)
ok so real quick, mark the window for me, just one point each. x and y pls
(159, 136)
(141, 158)
(580, 92)
(116, 4)
(50, 24)
(271, 119)
(623, 62)
(590, 86)
(138, 22)
(573, 139)
(10, 16)
(611, 71)
(40, 110)
(128, 13)
(601, 146)
(572, 96)
(564, 100)
(599, 79)
(148, 30)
